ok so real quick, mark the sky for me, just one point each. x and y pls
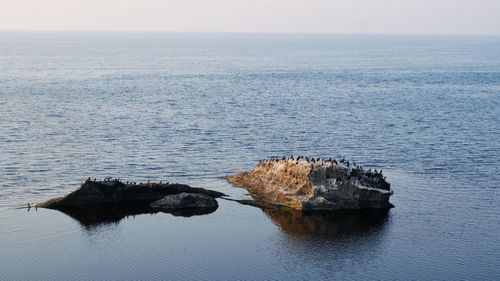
(473, 17)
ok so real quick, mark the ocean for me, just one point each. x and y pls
(194, 107)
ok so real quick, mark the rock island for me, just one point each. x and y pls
(113, 191)
(305, 183)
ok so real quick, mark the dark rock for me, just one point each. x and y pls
(185, 201)
(117, 192)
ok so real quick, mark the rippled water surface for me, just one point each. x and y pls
(192, 108)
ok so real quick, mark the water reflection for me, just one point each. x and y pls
(328, 241)
(327, 224)
(97, 216)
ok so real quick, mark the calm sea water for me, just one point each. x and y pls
(194, 107)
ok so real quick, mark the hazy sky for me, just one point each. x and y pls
(337, 16)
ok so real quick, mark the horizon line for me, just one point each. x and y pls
(250, 32)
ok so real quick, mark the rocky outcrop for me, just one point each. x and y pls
(110, 191)
(185, 201)
(312, 184)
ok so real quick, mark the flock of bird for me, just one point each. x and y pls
(312, 160)
(127, 183)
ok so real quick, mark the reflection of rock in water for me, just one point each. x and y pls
(329, 242)
(93, 216)
(187, 212)
(326, 224)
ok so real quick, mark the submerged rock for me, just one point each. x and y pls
(185, 201)
(116, 192)
(313, 184)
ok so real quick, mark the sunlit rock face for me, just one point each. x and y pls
(312, 184)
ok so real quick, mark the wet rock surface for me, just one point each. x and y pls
(185, 201)
(113, 191)
(305, 183)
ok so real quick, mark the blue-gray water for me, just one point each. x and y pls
(194, 107)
